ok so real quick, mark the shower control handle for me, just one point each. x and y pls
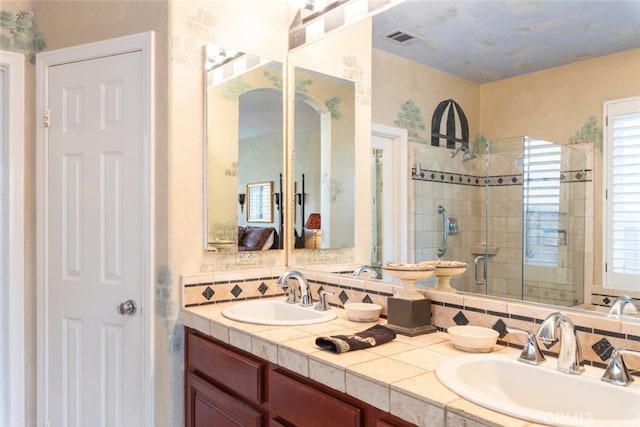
(445, 230)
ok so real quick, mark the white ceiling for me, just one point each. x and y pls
(486, 40)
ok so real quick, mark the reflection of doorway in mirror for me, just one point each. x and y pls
(389, 209)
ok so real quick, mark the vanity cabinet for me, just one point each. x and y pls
(225, 386)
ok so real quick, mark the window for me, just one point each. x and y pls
(542, 163)
(621, 176)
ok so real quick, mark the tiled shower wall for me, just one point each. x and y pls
(459, 186)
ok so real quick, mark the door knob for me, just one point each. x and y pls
(129, 307)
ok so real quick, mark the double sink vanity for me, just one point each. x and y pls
(421, 380)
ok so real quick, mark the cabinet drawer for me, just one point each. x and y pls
(296, 403)
(208, 406)
(239, 373)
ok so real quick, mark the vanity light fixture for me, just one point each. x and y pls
(313, 223)
(241, 198)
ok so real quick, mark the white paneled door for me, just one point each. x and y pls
(94, 234)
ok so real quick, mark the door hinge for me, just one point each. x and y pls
(606, 120)
(606, 267)
(46, 118)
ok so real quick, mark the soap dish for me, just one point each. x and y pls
(362, 311)
(473, 339)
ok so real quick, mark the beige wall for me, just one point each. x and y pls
(396, 80)
(552, 104)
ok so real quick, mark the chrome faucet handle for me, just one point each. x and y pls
(291, 293)
(531, 353)
(617, 372)
(322, 305)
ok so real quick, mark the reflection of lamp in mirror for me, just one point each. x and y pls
(313, 223)
(241, 199)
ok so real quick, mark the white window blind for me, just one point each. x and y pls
(622, 195)
(542, 162)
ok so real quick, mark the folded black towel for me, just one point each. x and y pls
(371, 337)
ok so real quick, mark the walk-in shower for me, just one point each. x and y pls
(520, 204)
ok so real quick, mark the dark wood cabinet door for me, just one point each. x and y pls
(298, 403)
(208, 406)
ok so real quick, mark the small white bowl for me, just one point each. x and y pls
(474, 339)
(362, 311)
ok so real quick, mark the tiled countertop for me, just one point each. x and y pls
(397, 377)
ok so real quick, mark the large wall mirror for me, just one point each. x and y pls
(244, 110)
(324, 155)
(530, 77)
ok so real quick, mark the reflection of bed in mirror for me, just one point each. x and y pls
(257, 238)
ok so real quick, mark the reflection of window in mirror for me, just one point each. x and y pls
(259, 202)
(621, 157)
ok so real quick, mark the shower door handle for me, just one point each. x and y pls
(476, 261)
(445, 231)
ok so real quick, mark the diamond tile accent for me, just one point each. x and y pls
(460, 319)
(606, 300)
(263, 288)
(500, 327)
(208, 293)
(237, 290)
(500, 180)
(578, 175)
(367, 299)
(603, 349)
(343, 297)
(514, 179)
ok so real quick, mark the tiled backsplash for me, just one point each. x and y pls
(598, 334)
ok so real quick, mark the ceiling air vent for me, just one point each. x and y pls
(402, 37)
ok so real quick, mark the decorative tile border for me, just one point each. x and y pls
(598, 335)
(492, 180)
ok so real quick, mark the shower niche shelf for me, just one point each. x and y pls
(482, 249)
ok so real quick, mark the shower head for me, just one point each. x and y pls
(468, 155)
(457, 150)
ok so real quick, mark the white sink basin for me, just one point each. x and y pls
(541, 393)
(276, 312)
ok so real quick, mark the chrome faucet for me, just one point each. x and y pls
(305, 300)
(619, 305)
(531, 353)
(570, 354)
(373, 274)
(617, 372)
